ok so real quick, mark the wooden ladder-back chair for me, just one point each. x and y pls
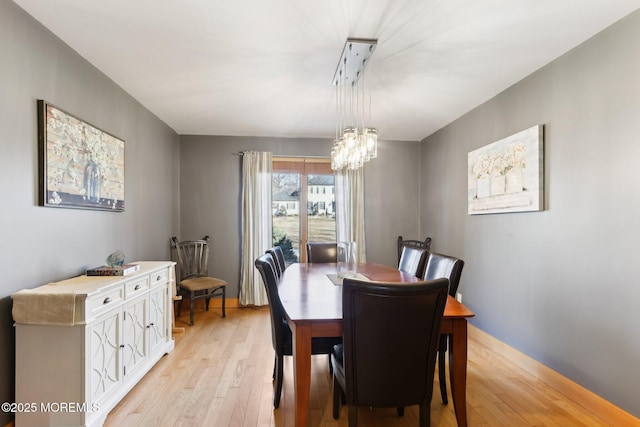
(192, 257)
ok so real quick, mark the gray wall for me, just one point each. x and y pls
(42, 244)
(559, 285)
(535, 280)
(211, 174)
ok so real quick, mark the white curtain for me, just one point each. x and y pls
(256, 224)
(350, 209)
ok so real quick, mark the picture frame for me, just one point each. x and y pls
(507, 175)
(80, 165)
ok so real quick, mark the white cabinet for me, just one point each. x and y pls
(83, 343)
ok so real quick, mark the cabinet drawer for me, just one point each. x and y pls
(104, 301)
(135, 287)
(159, 277)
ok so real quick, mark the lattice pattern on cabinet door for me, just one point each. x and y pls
(158, 317)
(134, 334)
(105, 350)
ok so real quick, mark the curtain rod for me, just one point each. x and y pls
(241, 153)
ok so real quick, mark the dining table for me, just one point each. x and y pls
(311, 296)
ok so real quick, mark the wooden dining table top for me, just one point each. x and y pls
(307, 292)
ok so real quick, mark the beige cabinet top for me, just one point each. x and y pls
(75, 300)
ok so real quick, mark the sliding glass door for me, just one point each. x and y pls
(303, 205)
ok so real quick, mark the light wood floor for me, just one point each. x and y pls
(219, 375)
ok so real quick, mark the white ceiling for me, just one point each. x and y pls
(265, 67)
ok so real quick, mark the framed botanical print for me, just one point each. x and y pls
(507, 175)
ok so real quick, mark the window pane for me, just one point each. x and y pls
(285, 189)
(321, 209)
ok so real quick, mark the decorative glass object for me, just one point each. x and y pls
(347, 259)
(115, 259)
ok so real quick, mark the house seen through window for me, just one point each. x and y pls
(303, 204)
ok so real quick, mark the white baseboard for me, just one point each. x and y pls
(596, 404)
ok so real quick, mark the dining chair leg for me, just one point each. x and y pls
(206, 304)
(442, 378)
(191, 308)
(337, 392)
(425, 415)
(179, 311)
(353, 416)
(275, 365)
(277, 386)
(224, 297)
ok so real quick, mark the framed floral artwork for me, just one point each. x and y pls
(81, 166)
(507, 175)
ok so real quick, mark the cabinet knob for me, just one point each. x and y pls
(150, 325)
(121, 345)
(107, 300)
(137, 287)
(158, 278)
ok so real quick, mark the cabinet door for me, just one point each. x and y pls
(134, 334)
(158, 316)
(106, 365)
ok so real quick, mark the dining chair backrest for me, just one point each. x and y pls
(278, 256)
(322, 252)
(274, 265)
(419, 244)
(390, 335)
(413, 260)
(192, 257)
(279, 328)
(439, 265)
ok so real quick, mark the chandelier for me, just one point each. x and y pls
(355, 143)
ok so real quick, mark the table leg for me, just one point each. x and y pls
(302, 371)
(458, 369)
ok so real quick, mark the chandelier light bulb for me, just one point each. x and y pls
(371, 138)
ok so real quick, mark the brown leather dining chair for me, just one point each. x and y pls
(390, 333)
(413, 260)
(280, 332)
(419, 244)
(278, 256)
(274, 264)
(192, 257)
(444, 266)
(322, 252)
